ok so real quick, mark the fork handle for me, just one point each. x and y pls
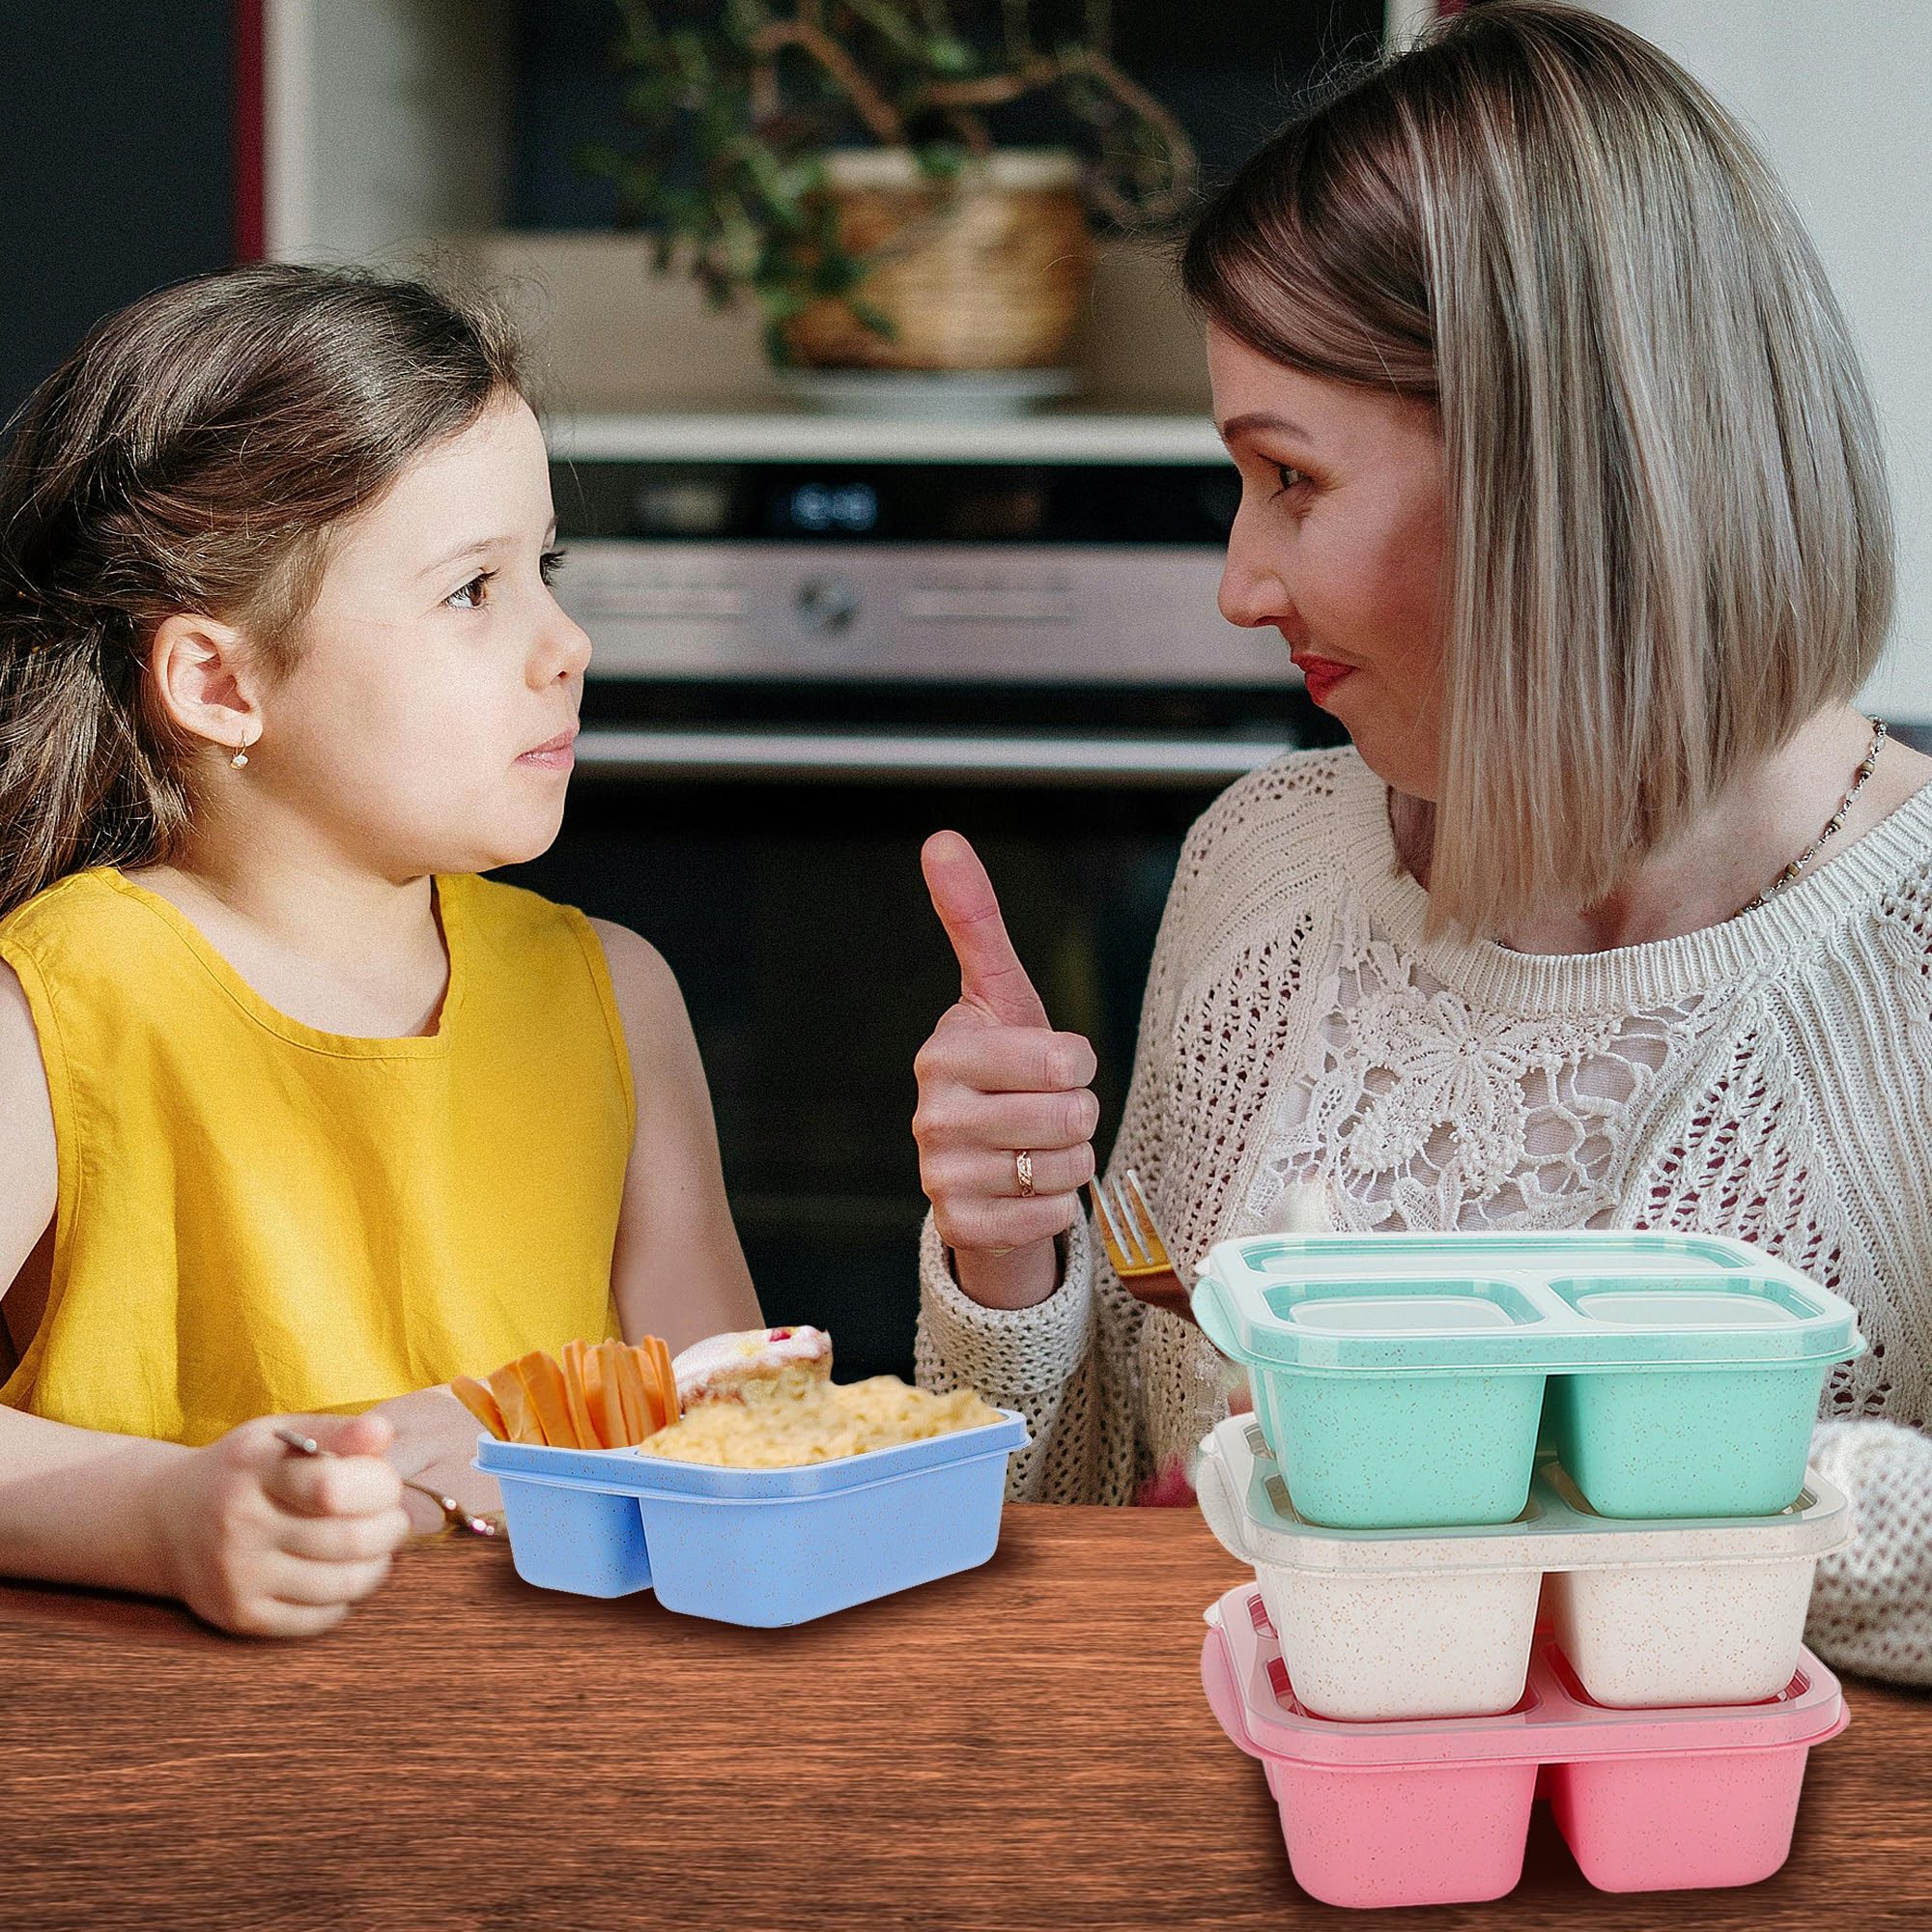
(1163, 1291)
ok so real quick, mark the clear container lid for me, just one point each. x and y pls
(629, 1471)
(1556, 1722)
(1528, 1302)
(1249, 1508)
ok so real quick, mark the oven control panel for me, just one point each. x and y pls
(905, 572)
(911, 612)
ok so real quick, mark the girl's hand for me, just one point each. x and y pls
(993, 1080)
(266, 1543)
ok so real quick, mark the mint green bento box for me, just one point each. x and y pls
(1401, 1380)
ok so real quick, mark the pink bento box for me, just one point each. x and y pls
(1436, 1812)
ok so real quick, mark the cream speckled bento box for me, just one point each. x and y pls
(1384, 1624)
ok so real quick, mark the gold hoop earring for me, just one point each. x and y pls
(240, 756)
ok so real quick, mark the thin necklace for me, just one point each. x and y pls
(1835, 823)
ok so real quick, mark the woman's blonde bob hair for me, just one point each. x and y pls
(1669, 541)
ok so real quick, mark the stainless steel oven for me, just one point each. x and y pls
(817, 641)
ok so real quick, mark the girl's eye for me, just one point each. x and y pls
(470, 597)
(1289, 478)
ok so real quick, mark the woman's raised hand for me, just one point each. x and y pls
(269, 1543)
(995, 1080)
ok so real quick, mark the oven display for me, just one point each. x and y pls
(834, 507)
(899, 502)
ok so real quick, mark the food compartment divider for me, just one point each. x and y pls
(755, 1547)
(1702, 1409)
(1436, 1813)
(1378, 1624)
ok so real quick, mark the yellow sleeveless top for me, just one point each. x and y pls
(256, 1218)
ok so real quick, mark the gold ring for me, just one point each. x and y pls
(1023, 1167)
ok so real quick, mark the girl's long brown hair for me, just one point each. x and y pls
(1670, 536)
(192, 454)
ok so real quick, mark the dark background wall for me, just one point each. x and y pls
(116, 132)
(1230, 69)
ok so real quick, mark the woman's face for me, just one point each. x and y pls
(1338, 543)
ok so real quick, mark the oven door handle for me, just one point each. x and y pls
(902, 755)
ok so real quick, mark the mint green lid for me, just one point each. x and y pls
(1532, 1302)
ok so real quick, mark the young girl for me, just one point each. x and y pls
(303, 1116)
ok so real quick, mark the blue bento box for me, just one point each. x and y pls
(758, 1547)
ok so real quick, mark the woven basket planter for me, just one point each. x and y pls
(984, 274)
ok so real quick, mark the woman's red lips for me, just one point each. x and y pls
(557, 751)
(1321, 675)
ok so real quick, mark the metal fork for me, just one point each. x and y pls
(1134, 1245)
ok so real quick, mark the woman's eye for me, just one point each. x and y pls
(548, 562)
(472, 590)
(1289, 478)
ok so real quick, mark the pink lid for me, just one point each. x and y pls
(1555, 1722)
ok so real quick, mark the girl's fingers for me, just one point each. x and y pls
(345, 1539)
(296, 1580)
(331, 1485)
(275, 1619)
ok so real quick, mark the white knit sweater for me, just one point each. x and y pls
(1769, 1078)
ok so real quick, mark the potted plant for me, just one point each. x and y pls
(835, 158)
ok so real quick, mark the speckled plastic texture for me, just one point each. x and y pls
(1402, 1379)
(1437, 1812)
(1381, 1624)
(758, 1547)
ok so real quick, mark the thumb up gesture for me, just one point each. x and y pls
(1007, 1113)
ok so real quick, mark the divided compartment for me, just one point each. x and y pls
(1363, 1647)
(1691, 1442)
(1378, 1624)
(1437, 1813)
(755, 1547)
(1684, 1301)
(1403, 1452)
(564, 1537)
(1694, 1441)
(1414, 1834)
(1410, 1306)
(1649, 1636)
(1677, 1821)
(1393, 1450)
(1403, 1379)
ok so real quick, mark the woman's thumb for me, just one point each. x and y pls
(990, 972)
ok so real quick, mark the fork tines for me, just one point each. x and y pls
(1133, 1242)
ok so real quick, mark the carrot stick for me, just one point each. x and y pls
(477, 1398)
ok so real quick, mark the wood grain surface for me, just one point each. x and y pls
(1023, 1747)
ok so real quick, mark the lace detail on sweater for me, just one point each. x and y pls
(1420, 1110)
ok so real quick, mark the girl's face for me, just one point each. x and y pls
(427, 724)
(1338, 543)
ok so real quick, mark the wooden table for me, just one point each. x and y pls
(1024, 1746)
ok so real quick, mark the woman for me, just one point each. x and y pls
(1562, 485)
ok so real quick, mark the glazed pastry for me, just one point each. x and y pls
(751, 1363)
